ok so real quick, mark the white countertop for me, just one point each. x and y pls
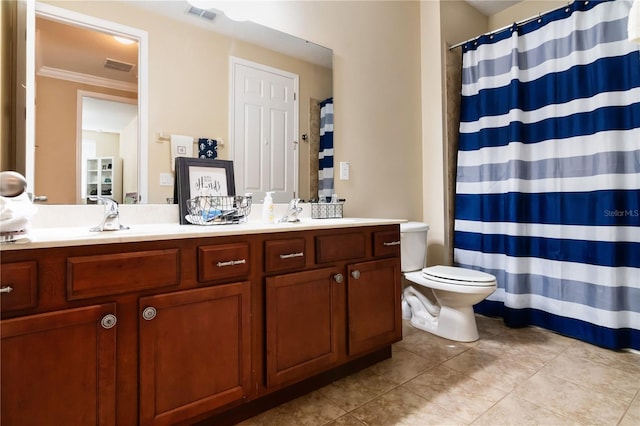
(153, 223)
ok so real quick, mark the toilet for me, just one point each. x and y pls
(454, 289)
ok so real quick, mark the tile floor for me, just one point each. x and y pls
(508, 377)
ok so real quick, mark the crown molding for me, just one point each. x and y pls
(77, 77)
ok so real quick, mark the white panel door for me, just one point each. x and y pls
(264, 125)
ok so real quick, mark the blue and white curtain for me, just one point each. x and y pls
(548, 181)
(325, 155)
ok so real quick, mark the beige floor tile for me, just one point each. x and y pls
(525, 376)
(518, 412)
(570, 400)
(346, 420)
(625, 361)
(494, 369)
(402, 407)
(632, 416)
(431, 347)
(357, 389)
(464, 396)
(595, 377)
(308, 410)
(402, 366)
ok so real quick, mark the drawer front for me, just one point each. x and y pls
(333, 248)
(386, 243)
(19, 284)
(223, 261)
(281, 255)
(101, 275)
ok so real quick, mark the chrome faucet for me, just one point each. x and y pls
(111, 220)
(292, 212)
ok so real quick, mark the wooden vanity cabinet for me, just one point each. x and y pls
(195, 352)
(303, 324)
(195, 329)
(373, 305)
(321, 318)
(59, 368)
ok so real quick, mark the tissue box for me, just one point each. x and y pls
(326, 210)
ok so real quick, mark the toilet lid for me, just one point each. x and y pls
(459, 276)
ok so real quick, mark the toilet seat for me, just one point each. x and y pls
(458, 276)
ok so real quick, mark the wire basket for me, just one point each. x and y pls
(326, 210)
(218, 210)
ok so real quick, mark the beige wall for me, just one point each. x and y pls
(376, 74)
(523, 10)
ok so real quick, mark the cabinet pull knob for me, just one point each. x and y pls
(391, 243)
(149, 313)
(108, 321)
(290, 255)
(7, 289)
(355, 274)
(338, 278)
(231, 263)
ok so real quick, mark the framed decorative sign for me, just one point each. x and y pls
(197, 177)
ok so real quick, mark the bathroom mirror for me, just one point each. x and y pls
(188, 84)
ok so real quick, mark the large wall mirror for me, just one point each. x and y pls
(122, 114)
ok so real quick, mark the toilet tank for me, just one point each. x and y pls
(413, 246)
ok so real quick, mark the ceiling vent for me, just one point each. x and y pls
(202, 13)
(118, 65)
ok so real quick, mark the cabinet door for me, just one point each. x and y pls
(373, 305)
(195, 353)
(58, 368)
(302, 324)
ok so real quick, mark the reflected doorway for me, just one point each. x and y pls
(107, 147)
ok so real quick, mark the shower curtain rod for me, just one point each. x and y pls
(518, 23)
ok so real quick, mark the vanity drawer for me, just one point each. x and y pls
(19, 286)
(223, 261)
(386, 243)
(333, 248)
(280, 255)
(107, 274)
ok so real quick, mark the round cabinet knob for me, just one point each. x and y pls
(108, 321)
(338, 278)
(355, 274)
(149, 313)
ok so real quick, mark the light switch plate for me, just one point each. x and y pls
(344, 170)
(166, 179)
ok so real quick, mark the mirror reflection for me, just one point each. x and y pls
(188, 94)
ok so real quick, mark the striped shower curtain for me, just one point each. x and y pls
(325, 155)
(548, 181)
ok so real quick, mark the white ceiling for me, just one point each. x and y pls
(103, 115)
(247, 31)
(491, 7)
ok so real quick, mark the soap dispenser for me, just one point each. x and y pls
(267, 208)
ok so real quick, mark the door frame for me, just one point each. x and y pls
(233, 61)
(70, 17)
(81, 94)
